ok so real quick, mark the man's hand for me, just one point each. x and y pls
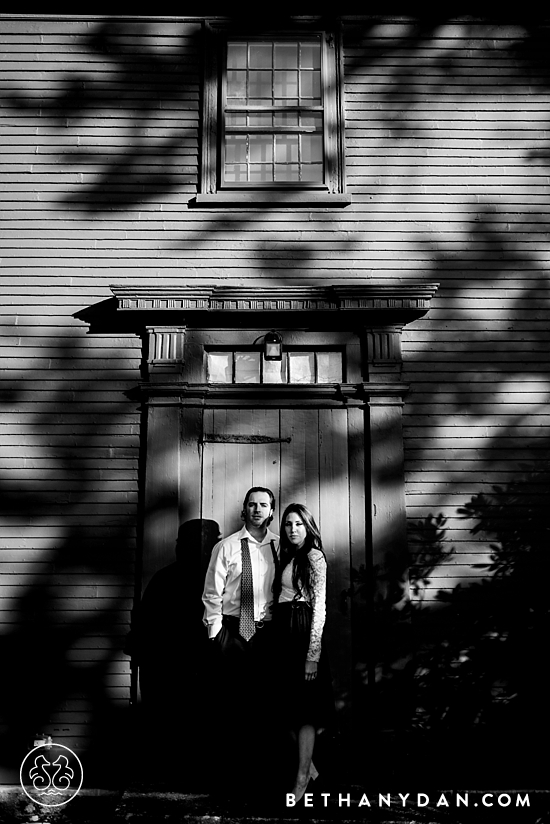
(311, 670)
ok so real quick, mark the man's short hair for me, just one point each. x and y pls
(259, 489)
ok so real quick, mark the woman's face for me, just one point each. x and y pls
(295, 529)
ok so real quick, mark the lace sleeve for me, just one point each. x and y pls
(318, 570)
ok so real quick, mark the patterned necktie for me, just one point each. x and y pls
(246, 617)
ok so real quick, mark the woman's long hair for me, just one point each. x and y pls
(301, 570)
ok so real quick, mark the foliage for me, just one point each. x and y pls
(429, 534)
(517, 515)
(478, 656)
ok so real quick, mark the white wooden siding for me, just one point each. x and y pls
(442, 135)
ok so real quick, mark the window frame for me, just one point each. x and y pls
(289, 350)
(212, 188)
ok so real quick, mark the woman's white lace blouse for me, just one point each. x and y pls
(317, 598)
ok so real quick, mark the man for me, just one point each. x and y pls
(238, 600)
(222, 589)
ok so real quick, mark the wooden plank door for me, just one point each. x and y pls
(236, 461)
(303, 455)
(317, 469)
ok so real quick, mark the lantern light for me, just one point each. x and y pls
(273, 346)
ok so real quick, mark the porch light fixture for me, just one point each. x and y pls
(273, 346)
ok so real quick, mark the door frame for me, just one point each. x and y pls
(333, 490)
(176, 324)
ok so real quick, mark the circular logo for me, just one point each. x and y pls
(51, 775)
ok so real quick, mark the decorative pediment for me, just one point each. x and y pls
(374, 312)
(395, 303)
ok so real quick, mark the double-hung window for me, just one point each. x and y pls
(272, 119)
(273, 114)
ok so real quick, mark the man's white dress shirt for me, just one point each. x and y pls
(222, 587)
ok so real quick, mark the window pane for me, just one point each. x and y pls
(236, 174)
(220, 367)
(286, 55)
(235, 148)
(236, 84)
(286, 84)
(285, 119)
(312, 121)
(264, 119)
(260, 148)
(259, 84)
(310, 55)
(289, 173)
(301, 367)
(261, 173)
(275, 371)
(286, 148)
(236, 120)
(310, 86)
(312, 173)
(329, 367)
(236, 55)
(260, 56)
(247, 367)
(286, 101)
(312, 148)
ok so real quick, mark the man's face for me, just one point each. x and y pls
(257, 510)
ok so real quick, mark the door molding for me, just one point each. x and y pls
(174, 392)
(179, 323)
(261, 395)
(395, 302)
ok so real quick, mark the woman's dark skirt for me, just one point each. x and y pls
(302, 702)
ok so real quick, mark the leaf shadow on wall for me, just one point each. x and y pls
(477, 664)
(72, 567)
(140, 92)
(144, 178)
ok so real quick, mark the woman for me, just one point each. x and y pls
(300, 617)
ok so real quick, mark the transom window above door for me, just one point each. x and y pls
(295, 367)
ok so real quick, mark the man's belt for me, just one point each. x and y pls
(234, 620)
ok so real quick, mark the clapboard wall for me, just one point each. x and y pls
(447, 141)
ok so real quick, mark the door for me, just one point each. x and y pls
(304, 455)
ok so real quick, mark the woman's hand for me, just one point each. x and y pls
(311, 670)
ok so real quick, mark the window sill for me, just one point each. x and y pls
(267, 198)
